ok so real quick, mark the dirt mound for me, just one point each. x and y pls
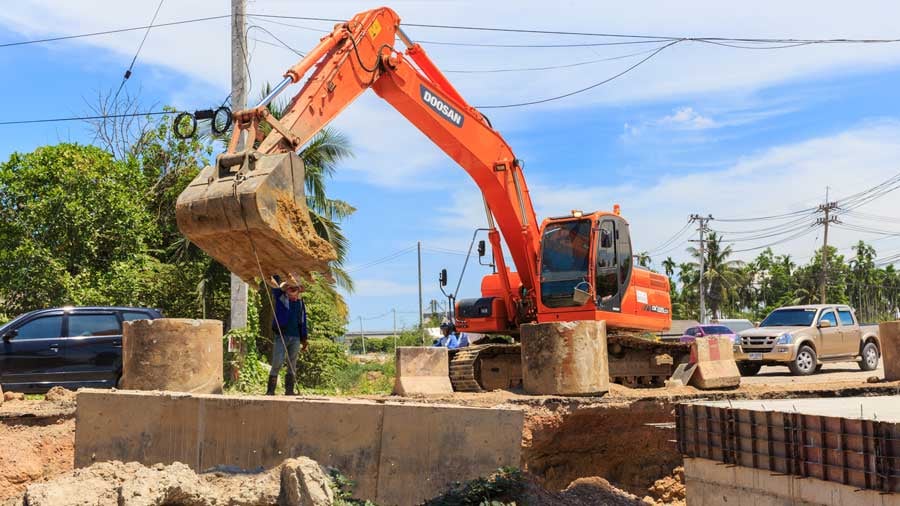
(31, 453)
(295, 482)
(669, 490)
(60, 395)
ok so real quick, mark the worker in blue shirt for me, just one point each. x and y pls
(290, 331)
(448, 339)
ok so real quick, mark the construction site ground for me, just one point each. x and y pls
(625, 437)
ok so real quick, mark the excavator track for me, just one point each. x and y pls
(633, 361)
(486, 367)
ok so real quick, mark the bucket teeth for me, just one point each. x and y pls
(249, 213)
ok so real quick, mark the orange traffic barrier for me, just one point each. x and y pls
(716, 367)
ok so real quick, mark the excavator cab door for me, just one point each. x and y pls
(612, 269)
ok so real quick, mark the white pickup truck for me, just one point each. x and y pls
(804, 337)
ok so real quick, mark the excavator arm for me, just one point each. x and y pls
(360, 54)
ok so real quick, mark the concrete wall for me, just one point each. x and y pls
(397, 453)
(712, 483)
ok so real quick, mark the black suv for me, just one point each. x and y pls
(68, 346)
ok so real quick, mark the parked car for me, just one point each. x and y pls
(707, 330)
(735, 324)
(804, 337)
(70, 346)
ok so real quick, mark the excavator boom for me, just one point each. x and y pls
(250, 231)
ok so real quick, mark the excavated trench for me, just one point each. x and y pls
(630, 443)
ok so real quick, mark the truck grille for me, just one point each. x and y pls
(758, 341)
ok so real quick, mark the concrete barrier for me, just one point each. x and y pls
(716, 367)
(565, 358)
(175, 354)
(397, 453)
(889, 335)
(422, 371)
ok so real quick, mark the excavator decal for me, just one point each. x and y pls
(441, 107)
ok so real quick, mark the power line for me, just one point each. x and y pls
(660, 38)
(670, 240)
(582, 90)
(549, 67)
(382, 260)
(108, 32)
(270, 34)
(86, 118)
(140, 46)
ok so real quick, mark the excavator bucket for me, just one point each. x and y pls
(248, 211)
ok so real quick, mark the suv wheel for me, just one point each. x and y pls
(869, 357)
(748, 369)
(805, 362)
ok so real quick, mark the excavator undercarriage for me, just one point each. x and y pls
(633, 362)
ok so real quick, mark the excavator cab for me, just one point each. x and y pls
(249, 212)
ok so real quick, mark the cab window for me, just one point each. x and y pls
(846, 317)
(607, 278)
(828, 316)
(82, 325)
(40, 328)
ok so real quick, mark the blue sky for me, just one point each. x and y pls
(698, 129)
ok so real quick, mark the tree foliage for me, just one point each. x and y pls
(752, 289)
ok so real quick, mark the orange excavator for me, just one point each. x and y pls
(248, 210)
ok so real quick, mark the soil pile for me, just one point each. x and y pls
(294, 482)
(31, 453)
(669, 490)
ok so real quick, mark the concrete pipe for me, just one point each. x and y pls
(175, 354)
(565, 358)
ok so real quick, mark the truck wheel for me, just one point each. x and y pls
(747, 369)
(805, 362)
(869, 357)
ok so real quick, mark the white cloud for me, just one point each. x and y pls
(777, 180)
(686, 118)
(390, 151)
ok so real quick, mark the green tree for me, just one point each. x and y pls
(321, 157)
(643, 259)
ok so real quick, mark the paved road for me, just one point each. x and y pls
(838, 371)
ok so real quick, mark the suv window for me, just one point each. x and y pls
(691, 331)
(828, 316)
(846, 317)
(93, 325)
(135, 315)
(40, 328)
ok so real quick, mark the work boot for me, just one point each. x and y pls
(270, 387)
(288, 384)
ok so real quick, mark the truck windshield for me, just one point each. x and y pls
(789, 318)
(565, 251)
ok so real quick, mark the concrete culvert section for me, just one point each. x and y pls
(175, 354)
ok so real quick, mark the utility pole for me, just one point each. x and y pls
(362, 335)
(421, 312)
(238, 102)
(702, 229)
(826, 208)
(394, 310)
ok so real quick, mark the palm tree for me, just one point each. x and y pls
(669, 266)
(321, 156)
(643, 259)
(721, 277)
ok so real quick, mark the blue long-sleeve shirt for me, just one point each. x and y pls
(451, 341)
(290, 315)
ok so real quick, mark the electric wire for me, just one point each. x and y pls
(775, 243)
(582, 90)
(85, 118)
(549, 67)
(136, 53)
(383, 259)
(109, 32)
(270, 34)
(670, 240)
